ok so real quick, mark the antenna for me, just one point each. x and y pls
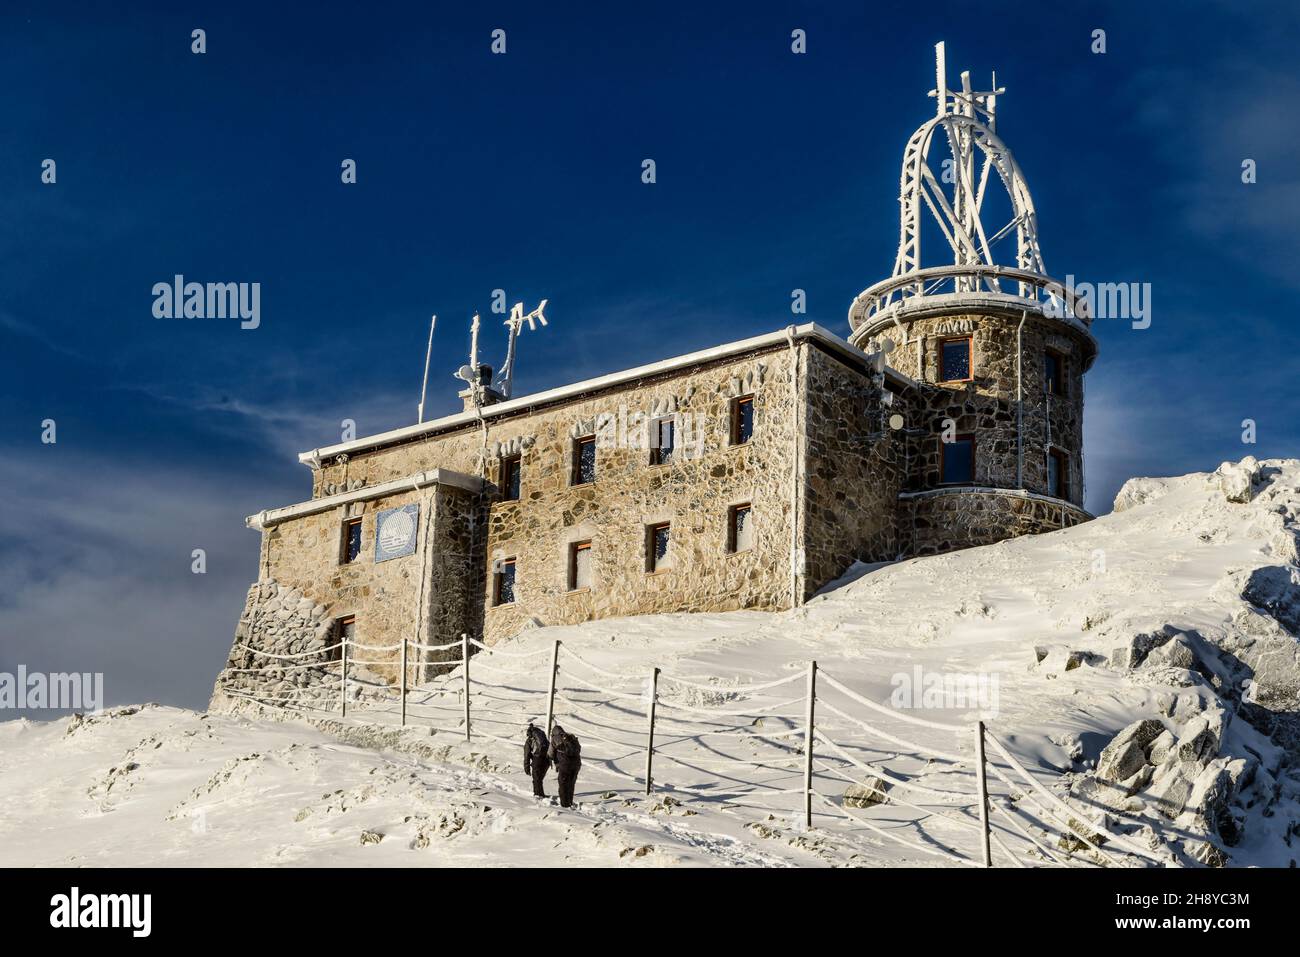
(428, 354)
(515, 323)
(473, 342)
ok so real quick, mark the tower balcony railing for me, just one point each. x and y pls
(974, 285)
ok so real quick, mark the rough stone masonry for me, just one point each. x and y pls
(745, 476)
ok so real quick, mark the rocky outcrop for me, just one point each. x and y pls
(1237, 480)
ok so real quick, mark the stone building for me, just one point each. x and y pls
(748, 475)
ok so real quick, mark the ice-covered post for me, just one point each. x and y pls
(343, 677)
(981, 776)
(464, 654)
(403, 682)
(650, 734)
(808, 745)
(550, 695)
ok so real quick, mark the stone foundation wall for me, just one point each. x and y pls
(950, 519)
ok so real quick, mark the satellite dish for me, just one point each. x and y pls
(896, 422)
(466, 373)
(886, 345)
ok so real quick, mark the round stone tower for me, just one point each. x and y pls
(994, 427)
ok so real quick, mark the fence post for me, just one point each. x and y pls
(550, 695)
(650, 735)
(343, 679)
(403, 682)
(808, 745)
(464, 651)
(981, 775)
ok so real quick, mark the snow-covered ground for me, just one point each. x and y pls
(1034, 621)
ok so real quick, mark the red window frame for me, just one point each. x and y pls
(970, 357)
(574, 549)
(736, 405)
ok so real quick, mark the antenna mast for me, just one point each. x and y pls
(428, 354)
(515, 323)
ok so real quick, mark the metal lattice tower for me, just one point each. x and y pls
(965, 121)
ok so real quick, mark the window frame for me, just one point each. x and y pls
(943, 457)
(969, 339)
(1062, 458)
(498, 577)
(340, 623)
(656, 431)
(344, 541)
(733, 512)
(1061, 387)
(653, 564)
(582, 545)
(512, 467)
(575, 461)
(734, 438)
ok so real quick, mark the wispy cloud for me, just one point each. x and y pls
(98, 573)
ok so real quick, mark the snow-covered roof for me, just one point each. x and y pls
(809, 330)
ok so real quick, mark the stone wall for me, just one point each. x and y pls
(822, 455)
(855, 468)
(427, 597)
(949, 519)
(280, 620)
(454, 563)
(986, 406)
(694, 494)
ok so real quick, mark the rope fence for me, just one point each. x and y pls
(742, 746)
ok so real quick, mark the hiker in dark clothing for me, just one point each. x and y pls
(566, 752)
(537, 760)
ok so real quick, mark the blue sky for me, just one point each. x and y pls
(522, 172)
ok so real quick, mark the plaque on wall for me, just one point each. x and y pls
(395, 532)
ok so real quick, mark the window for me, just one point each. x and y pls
(740, 528)
(345, 629)
(580, 565)
(1053, 373)
(954, 360)
(958, 460)
(510, 478)
(657, 558)
(503, 590)
(351, 541)
(584, 461)
(1058, 474)
(661, 437)
(742, 419)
